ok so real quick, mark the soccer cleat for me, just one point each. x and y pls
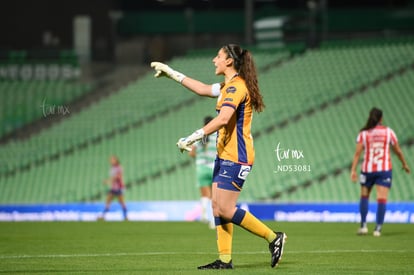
(217, 265)
(362, 231)
(377, 230)
(276, 248)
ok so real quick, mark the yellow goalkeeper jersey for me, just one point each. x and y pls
(234, 141)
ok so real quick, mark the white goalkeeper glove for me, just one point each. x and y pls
(162, 69)
(184, 144)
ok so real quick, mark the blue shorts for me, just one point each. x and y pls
(383, 178)
(116, 192)
(230, 175)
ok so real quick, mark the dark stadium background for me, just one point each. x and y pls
(23, 23)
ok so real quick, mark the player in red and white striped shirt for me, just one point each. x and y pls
(376, 169)
(377, 141)
(117, 187)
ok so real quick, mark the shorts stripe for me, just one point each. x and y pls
(236, 186)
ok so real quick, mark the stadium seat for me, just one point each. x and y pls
(142, 122)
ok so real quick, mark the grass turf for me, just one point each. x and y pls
(179, 247)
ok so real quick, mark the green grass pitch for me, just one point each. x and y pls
(179, 247)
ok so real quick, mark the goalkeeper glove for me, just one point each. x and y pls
(184, 144)
(162, 69)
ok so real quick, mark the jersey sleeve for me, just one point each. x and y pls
(393, 137)
(215, 89)
(359, 138)
(233, 96)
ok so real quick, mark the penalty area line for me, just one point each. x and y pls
(164, 253)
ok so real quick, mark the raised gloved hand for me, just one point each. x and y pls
(162, 69)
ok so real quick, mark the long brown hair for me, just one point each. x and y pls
(374, 119)
(246, 68)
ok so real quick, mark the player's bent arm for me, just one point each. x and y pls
(219, 121)
(185, 144)
(358, 150)
(400, 155)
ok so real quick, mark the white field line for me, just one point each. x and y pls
(161, 253)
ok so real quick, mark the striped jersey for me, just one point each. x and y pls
(206, 151)
(376, 142)
(234, 141)
(116, 171)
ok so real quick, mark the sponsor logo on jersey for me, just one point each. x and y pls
(244, 172)
(228, 99)
(224, 174)
(227, 163)
(231, 90)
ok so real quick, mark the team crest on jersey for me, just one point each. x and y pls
(231, 90)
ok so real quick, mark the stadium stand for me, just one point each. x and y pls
(327, 139)
(133, 106)
(26, 101)
(35, 84)
(316, 102)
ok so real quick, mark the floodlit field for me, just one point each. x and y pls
(178, 248)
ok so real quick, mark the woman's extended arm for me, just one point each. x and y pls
(198, 87)
(193, 85)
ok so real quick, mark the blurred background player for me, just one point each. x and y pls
(117, 187)
(204, 153)
(375, 139)
(237, 97)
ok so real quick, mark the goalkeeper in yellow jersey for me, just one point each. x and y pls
(237, 97)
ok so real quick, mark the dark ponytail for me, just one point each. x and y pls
(245, 67)
(375, 116)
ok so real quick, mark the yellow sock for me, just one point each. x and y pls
(271, 237)
(252, 224)
(224, 241)
(225, 258)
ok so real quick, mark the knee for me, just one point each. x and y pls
(224, 212)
